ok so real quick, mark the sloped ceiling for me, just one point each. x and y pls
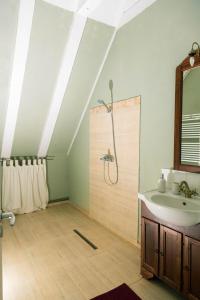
(8, 29)
(50, 28)
(54, 40)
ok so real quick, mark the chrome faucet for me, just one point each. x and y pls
(184, 188)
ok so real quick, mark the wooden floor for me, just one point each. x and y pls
(44, 259)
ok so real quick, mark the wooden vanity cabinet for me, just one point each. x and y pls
(171, 253)
(161, 253)
(150, 249)
(191, 268)
(170, 257)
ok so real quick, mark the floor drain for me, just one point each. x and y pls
(85, 239)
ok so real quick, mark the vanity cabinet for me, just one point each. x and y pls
(191, 268)
(161, 253)
(170, 257)
(171, 253)
(150, 249)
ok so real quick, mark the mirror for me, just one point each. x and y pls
(190, 127)
(187, 116)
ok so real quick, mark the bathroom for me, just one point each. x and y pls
(62, 64)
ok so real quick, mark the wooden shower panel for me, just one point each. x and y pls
(116, 206)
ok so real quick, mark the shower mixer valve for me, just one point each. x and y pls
(108, 157)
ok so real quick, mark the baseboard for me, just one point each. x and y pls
(58, 201)
(133, 243)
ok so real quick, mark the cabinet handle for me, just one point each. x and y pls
(161, 253)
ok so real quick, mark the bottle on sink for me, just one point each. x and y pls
(170, 179)
(162, 184)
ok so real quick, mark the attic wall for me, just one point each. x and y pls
(49, 35)
(8, 25)
(91, 51)
(142, 61)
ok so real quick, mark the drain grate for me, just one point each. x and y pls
(85, 239)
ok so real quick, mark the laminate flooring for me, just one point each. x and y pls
(43, 258)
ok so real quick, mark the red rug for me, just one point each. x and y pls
(122, 292)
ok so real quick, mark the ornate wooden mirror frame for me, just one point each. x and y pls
(185, 65)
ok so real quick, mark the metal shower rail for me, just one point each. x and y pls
(22, 157)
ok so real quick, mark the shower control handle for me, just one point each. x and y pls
(107, 157)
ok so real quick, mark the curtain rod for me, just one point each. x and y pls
(21, 157)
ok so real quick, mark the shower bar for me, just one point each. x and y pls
(22, 157)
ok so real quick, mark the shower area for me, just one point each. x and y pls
(114, 165)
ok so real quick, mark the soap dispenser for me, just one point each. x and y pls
(162, 184)
(170, 179)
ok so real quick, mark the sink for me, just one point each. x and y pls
(174, 209)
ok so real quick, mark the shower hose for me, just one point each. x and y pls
(109, 180)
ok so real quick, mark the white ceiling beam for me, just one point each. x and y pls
(119, 11)
(108, 12)
(127, 11)
(119, 14)
(83, 7)
(129, 4)
(71, 5)
(89, 6)
(113, 13)
(133, 10)
(91, 92)
(70, 52)
(25, 16)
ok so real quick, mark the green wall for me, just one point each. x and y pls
(78, 165)
(93, 45)
(8, 29)
(8, 26)
(94, 41)
(142, 61)
(49, 34)
(57, 177)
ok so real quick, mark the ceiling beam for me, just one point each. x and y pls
(108, 12)
(125, 15)
(70, 52)
(92, 91)
(65, 4)
(88, 6)
(83, 7)
(25, 16)
(113, 13)
(133, 10)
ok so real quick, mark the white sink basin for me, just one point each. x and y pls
(176, 210)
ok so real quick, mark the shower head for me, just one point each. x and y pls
(106, 106)
(110, 84)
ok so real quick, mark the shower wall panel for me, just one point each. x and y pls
(116, 206)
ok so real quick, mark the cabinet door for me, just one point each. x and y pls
(170, 257)
(150, 244)
(191, 268)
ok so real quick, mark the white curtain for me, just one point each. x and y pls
(24, 187)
